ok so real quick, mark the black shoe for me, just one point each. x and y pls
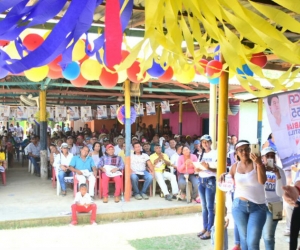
(168, 197)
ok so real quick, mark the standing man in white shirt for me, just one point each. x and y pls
(19, 131)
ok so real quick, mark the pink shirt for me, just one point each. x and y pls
(190, 167)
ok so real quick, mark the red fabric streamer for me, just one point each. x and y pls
(113, 33)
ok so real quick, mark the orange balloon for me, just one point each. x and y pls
(79, 82)
(54, 74)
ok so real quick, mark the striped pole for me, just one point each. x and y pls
(222, 151)
(43, 136)
(259, 119)
(127, 141)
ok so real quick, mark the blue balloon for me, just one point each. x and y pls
(246, 71)
(71, 71)
(214, 80)
(3, 73)
(217, 53)
(156, 70)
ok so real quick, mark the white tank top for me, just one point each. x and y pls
(248, 187)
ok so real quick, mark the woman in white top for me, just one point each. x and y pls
(248, 208)
(207, 184)
(61, 164)
(97, 153)
(273, 191)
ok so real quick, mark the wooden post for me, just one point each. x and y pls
(222, 152)
(127, 141)
(43, 136)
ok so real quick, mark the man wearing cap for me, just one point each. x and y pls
(119, 146)
(139, 163)
(197, 147)
(110, 159)
(134, 139)
(84, 167)
(61, 164)
(105, 143)
(33, 150)
(273, 192)
(73, 149)
(171, 149)
(160, 161)
(177, 138)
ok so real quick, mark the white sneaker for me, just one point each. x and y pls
(94, 224)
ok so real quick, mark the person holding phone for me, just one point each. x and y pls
(273, 191)
(249, 205)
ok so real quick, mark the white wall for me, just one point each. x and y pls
(248, 122)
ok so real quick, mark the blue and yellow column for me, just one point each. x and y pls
(259, 120)
(43, 136)
(127, 141)
(222, 151)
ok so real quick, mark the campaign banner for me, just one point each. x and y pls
(73, 112)
(101, 112)
(4, 113)
(139, 109)
(165, 107)
(113, 111)
(86, 113)
(60, 113)
(31, 112)
(283, 111)
(21, 113)
(150, 108)
(51, 111)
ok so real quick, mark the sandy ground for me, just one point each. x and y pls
(114, 235)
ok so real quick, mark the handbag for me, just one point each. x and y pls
(276, 209)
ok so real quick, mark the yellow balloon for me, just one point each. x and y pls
(185, 76)
(46, 34)
(91, 69)
(122, 76)
(231, 73)
(37, 74)
(78, 51)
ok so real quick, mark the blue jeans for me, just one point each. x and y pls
(135, 182)
(250, 219)
(235, 230)
(207, 191)
(35, 161)
(61, 176)
(269, 231)
(182, 184)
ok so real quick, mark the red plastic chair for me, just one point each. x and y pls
(53, 177)
(110, 181)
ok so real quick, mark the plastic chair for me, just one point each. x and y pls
(3, 176)
(110, 181)
(75, 183)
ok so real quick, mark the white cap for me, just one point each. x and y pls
(267, 150)
(241, 143)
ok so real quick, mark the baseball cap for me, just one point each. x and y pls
(267, 150)
(64, 145)
(196, 142)
(87, 138)
(109, 146)
(176, 136)
(241, 143)
(134, 138)
(105, 139)
(120, 137)
(206, 138)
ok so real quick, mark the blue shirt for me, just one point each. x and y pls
(79, 164)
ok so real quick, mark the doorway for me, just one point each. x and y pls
(205, 126)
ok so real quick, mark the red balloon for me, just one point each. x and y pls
(3, 43)
(132, 72)
(124, 54)
(79, 82)
(202, 63)
(54, 64)
(55, 74)
(32, 41)
(213, 67)
(259, 59)
(108, 79)
(167, 76)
